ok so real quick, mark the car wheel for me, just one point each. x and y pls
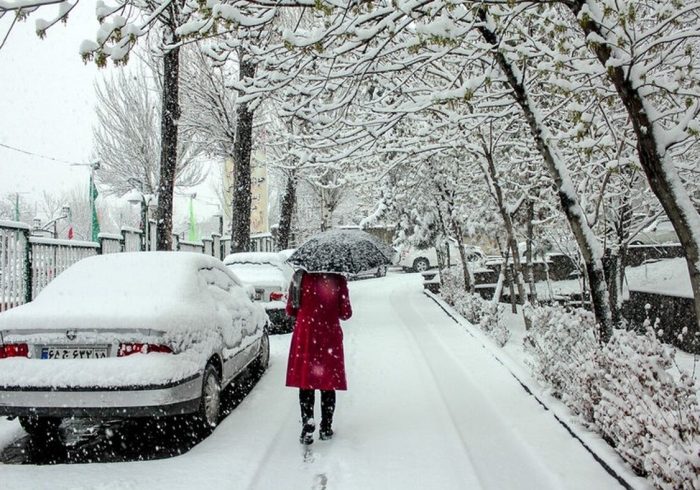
(421, 264)
(209, 412)
(40, 426)
(261, 362)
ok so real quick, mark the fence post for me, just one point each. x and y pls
(27, 267)
(207, 246)
(216, 246)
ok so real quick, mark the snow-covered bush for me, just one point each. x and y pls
(492, 324)
(651, 416)
(629, 390)
(453, 292)
(475, 309)
(562, 348)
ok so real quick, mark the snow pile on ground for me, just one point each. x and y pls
(485, 314)
(625, 390)
(663, 277)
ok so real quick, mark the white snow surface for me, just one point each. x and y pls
(669, 277)
(137, 369)
(117, 291)
(254, 258)
(258, 274)
(170, 298)
(428, 406)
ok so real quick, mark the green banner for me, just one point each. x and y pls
(95, 222)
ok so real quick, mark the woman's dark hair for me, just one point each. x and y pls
(295, 288)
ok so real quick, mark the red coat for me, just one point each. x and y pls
(316, 359)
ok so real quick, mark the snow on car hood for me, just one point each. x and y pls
(259, 274)
(161, 291)
(145, 290)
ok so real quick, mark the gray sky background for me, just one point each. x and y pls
(47, 104)
(47, 107)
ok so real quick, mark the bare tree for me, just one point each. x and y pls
(127, 135)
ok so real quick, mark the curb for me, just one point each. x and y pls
(461, 321)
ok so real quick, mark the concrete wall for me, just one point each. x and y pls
(674, 313)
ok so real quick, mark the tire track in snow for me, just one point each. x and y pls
(543, 451)
(621, 480)
(459, 389)
(413, 379)
(263, 463)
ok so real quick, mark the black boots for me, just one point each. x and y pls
(306, 402)
(326, 432)
(307, 432)
(327, 409)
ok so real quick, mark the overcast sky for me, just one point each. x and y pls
(47, 107)
(47, 104)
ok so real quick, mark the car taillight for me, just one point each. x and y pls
(14, 350)
(276, 296)
(126, 349)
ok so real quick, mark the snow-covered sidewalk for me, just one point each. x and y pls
(427, 407)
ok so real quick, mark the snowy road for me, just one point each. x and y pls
(427, 407)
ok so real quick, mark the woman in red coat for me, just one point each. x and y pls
(316, 360)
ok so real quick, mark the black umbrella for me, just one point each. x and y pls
(341, 251)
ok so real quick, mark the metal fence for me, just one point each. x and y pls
(28, 263)
(49, 257)
(14, 259)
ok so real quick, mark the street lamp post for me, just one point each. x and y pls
(36, 222)
(144, 200)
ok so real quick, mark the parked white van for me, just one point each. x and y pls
(416, 260)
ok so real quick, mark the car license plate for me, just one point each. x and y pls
(73, 352)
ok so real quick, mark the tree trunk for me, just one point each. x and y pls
(457, 232)
(618, 256)
(662, 176)
(511, 279)
(325, 211)
(466, 272)
(286, 212)
(501, 278)
(511, 243)
(530, 268)
(168, 149)
(242, 146)
(589, 247)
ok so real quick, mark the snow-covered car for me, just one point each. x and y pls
(270, 276)
(130, 335)
(661, 231)
(420, 260)
(287, 252)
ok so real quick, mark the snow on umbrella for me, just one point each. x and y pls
(384, 248)
(341, 251)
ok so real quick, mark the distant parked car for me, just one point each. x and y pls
(286, 253)
(417, 260)
(130, 335)
(659, 232)
(270, 276)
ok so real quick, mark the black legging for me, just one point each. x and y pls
(307, 398)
